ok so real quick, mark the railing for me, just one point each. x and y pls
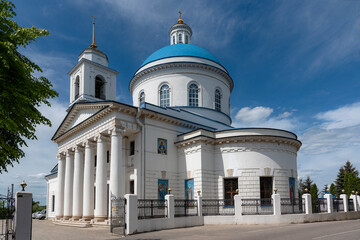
(319, 205)
(292, 205)
(185, 208)
(262, 206)
(151, 208)
(211, 207)
(338, 204)
(351, 205)
(7, 209)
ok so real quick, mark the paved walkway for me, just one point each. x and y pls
(44, 230)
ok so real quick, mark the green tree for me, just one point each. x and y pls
(303, 184)
(314, 192)
(21, 93)
(339, 182)
(332, 190)
(36, 206)
(324, 190)
(351, 183)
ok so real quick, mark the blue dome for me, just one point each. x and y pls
(180, 50)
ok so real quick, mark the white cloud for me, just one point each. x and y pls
(343, 117)
(330, 143)
(262, 117)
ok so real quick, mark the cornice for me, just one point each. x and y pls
(201, 66)
(240, 139)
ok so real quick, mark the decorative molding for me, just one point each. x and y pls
(187, 65)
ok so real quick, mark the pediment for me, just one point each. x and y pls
(78, 114)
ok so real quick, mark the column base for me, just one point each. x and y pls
(75, 218)
(67, 217)
(86, 218)
(100, 219)
(58, 218)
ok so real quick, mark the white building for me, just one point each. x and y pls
(177, 134)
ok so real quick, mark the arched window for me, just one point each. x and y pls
(164, 96)
(142, 97)
(77, 86)
(186, 39)
(180, 38)
(174, 39)
(99, 88)
(217, 100)
(193, 95)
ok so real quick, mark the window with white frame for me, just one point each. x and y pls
(77, 86)
(180, 38)
(164, 96)
(142, 97)
(186, 39)
(193, 95)
(173, 39)
(217, 100)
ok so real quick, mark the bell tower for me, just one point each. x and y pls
(91, 79)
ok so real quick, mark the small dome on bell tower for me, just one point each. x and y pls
(180, 33)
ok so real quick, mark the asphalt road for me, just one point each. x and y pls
(323, 230)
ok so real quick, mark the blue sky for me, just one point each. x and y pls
(294, 65)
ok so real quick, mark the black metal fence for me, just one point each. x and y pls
(185, 208)
(7, 209)
(151, 208)
(262, 206)
(338, 204)
(351, 205)
(292, 205)
(319, 205)
(211, 207)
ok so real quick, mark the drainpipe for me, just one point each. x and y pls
(142, 159)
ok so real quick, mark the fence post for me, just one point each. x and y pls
(358, 201)
(329, 202)
(354, 198)
(131, 213)
(170, 205)
(344, 197)
(238, 208)
(199, 203)
(23, 209)
(276, 203)
(308, 205)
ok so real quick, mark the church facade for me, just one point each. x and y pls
(176, 136)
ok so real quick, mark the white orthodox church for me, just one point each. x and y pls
(177, 134)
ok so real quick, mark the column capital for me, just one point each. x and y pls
(101, 138)
(117, 131)
(78, 148)
(69, 152)
(60, 156)
(88, 143)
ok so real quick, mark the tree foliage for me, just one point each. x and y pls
(332, 190)
(21, 93)
(351, 183)
(305, 184)
(36, 206)
(339, 182)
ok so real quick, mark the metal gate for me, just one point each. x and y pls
(7, 208)
(117, 215)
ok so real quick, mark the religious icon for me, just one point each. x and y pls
(292, 188)
(162, 146)
(162, 188)
(189, 189)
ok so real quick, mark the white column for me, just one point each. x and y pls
(353, 197)
(69, 178)
(131, 214)
(199, 203)
(89, 178)
(329, 202)
(308, 204)
(78, 183)
(276, 204)
(344, 197)
(117, 169)
(169, 198)
(59, 197)
(101, 186)
(237, 205)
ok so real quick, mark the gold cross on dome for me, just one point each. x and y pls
(180, 14)
(93, 45)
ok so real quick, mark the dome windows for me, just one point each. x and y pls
(180, 38)
(218, 100)
(142, 97)
(164, 96)
(193, 95)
